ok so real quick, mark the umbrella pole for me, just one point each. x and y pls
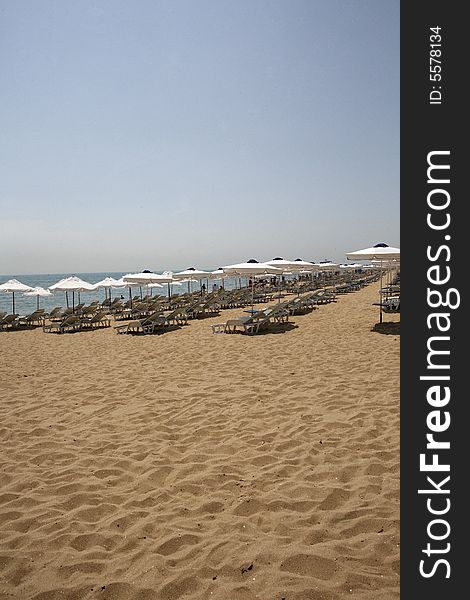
(37, 304)
(67, 299)
(130, 296)
(252, 293)
(13, 300)
(73, 301)
(380, 291)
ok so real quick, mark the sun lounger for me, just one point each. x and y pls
(389, 305)
(275, 314)
(9, 322)
(55, 314)
(35, 318)
(67, 325)
(145, 325)
(155, 320)
(99, 319)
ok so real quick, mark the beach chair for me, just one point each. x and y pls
(67, 325)
(275, 314)
(9, 322)
(35, 318)
(144, 325)
(178, 316)
(390, 305)
(55, 314)
(99, 319)
(203, 308)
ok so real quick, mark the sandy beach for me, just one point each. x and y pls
(193, 465)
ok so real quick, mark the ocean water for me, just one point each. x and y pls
(27, 304)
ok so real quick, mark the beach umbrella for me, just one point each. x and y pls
(12, 286)
(170, 287)
(72, 284)
(151, 286)
(171, 283)
(250, 268)
(146, 278)
(286, 267)
(281, 263)
(38, 292)
(292, 266)
(120, 283)
(327, 265)
(107, 283)
(192, 274)
(305, 265)
(219, 274)
(381, 252)
(189, 281)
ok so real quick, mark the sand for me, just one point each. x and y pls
(202, 466)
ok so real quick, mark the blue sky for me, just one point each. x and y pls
(168, 134)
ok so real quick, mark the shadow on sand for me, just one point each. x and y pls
(390, 328)
(273, 329)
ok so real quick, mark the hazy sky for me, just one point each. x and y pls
(168, 134)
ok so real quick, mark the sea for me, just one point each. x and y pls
(25, 305)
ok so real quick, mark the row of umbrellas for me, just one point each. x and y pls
(251, 268)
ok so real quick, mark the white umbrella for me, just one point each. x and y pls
(378, 252)
(38, 291)
(283, 264)
(147, 277)
(120, 283)
(286, 267)
(170, 287)
(219, 274)
(304, 265)
(72, 284)
(12, 286)
(171, 283)
(251, 267)
(382, 252)
(192, 274)
(154, 285)
(107, 283)
(327, 265)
